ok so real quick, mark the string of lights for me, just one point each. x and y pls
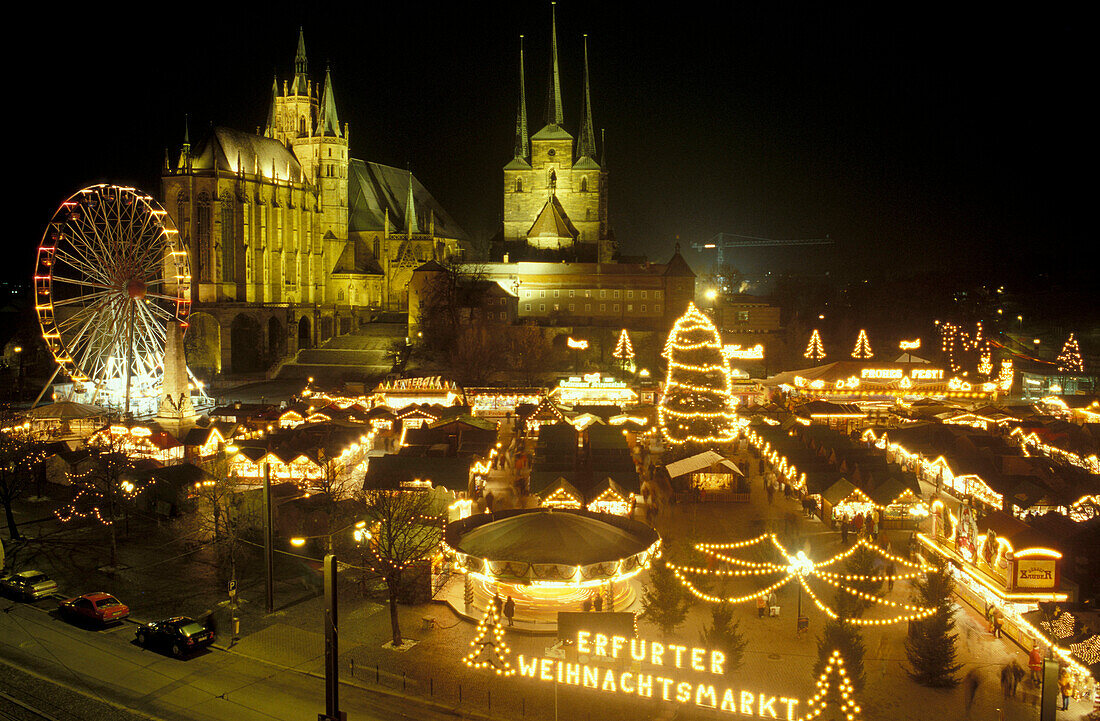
(815, 350)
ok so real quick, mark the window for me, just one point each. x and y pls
(228, 241)
(519, 185)
(503, 315)
(556, 307)
(656, 295)
(584, 184)
(571, 293)
(556, 293)
(656, 307)
(616, 308)
(542, 293)
(603, 307)
(643, 307)
(526, 294)
(629, 307)
(542, 307)
(643, 295)
(527, 307)
(629, 294)
(587, 307)
(570, 307)
(616, 295)
(588, 294)
(742, 316)
(603, 293)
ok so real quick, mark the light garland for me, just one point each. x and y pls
(819, 701)
(985, 365)
(498, 656)
(798, 567)
(624, 350)
(863, 351)
(1061, 627)
(815, 350)
(1069, 360)
(690, 405)
(1006, 377)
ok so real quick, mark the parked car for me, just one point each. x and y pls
(97, 607)
(29, 585)
(181, 635)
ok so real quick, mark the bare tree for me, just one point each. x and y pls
(20, 459)
(530, 353)
(100, 489)
(403, 529)
(475, 354)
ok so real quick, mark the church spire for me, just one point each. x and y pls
(330, 123)
(269, 131)
(411, 225)
(522, 149)
(185, 149)
(301, 66)
(586, 148)
(554, 115)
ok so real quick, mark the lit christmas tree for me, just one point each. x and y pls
(489, 647)
(815, 350)
(624, 350)
(862, 351)
(1006, 376)
(834, 688)
(985, 365)
(696, 405)
(1070, 359)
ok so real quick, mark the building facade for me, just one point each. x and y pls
(291, 240)
(555, 191)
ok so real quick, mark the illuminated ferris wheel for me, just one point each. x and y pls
(111, 274)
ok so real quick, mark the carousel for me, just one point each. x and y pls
(550, 560)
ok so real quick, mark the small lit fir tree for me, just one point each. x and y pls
(839, 636)
(815, 350)
(1069, 360)
(624, 351)
(930, 645)
(725, 635)
(488, 649)
(835, 689)
(696, 405)
(863, 351)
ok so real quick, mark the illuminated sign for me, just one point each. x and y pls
(927, 374)
(577, 344)
(736, 351)
(917, 374)
(1035, 573)
(910, 344)
(662, 683)
(889, 373)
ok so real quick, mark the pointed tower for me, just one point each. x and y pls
(523, 149)
(586, 148)
(554, 115)
(411, 225)
(185, 148)
(329, 123)
(300, 86)
(269, 130)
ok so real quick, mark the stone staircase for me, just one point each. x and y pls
(361, 354)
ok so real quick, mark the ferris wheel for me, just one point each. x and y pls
(111, 274)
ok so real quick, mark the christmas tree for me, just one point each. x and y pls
(815, 351)
(844, 639)
(489, 648)
(985, 365)
(930, 645)
(696, 405)
(624, 350)
(664, 603)
(1069, 361)
(862, 350)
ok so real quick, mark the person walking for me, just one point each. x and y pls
(510, 610)
(773, 604)
(771, 492)
(890, 571)
(1006, 680)
(997, 623)
(761, 606)
(1035, 663)
(1065, 686)
(970, 687)
(597, 603)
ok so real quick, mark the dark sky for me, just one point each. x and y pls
(914, 135)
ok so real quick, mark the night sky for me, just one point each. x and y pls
(915, 136)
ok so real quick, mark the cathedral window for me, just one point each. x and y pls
(519, 185)
(202, 232)
(377, 248)
(228, 240)
(584, 184)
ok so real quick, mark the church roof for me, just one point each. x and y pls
(357, 259)
(586, 163)
(225, 145)
(552, 132)
(517, 164)
(678, 266)
(374, 188)
(552, 222)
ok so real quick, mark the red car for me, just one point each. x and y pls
(97, 607)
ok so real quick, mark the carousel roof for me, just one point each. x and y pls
(568, 538)
(65, 410)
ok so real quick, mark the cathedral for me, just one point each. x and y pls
(555, 191)
(291, 239)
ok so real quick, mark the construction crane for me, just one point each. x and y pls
(723, 241)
